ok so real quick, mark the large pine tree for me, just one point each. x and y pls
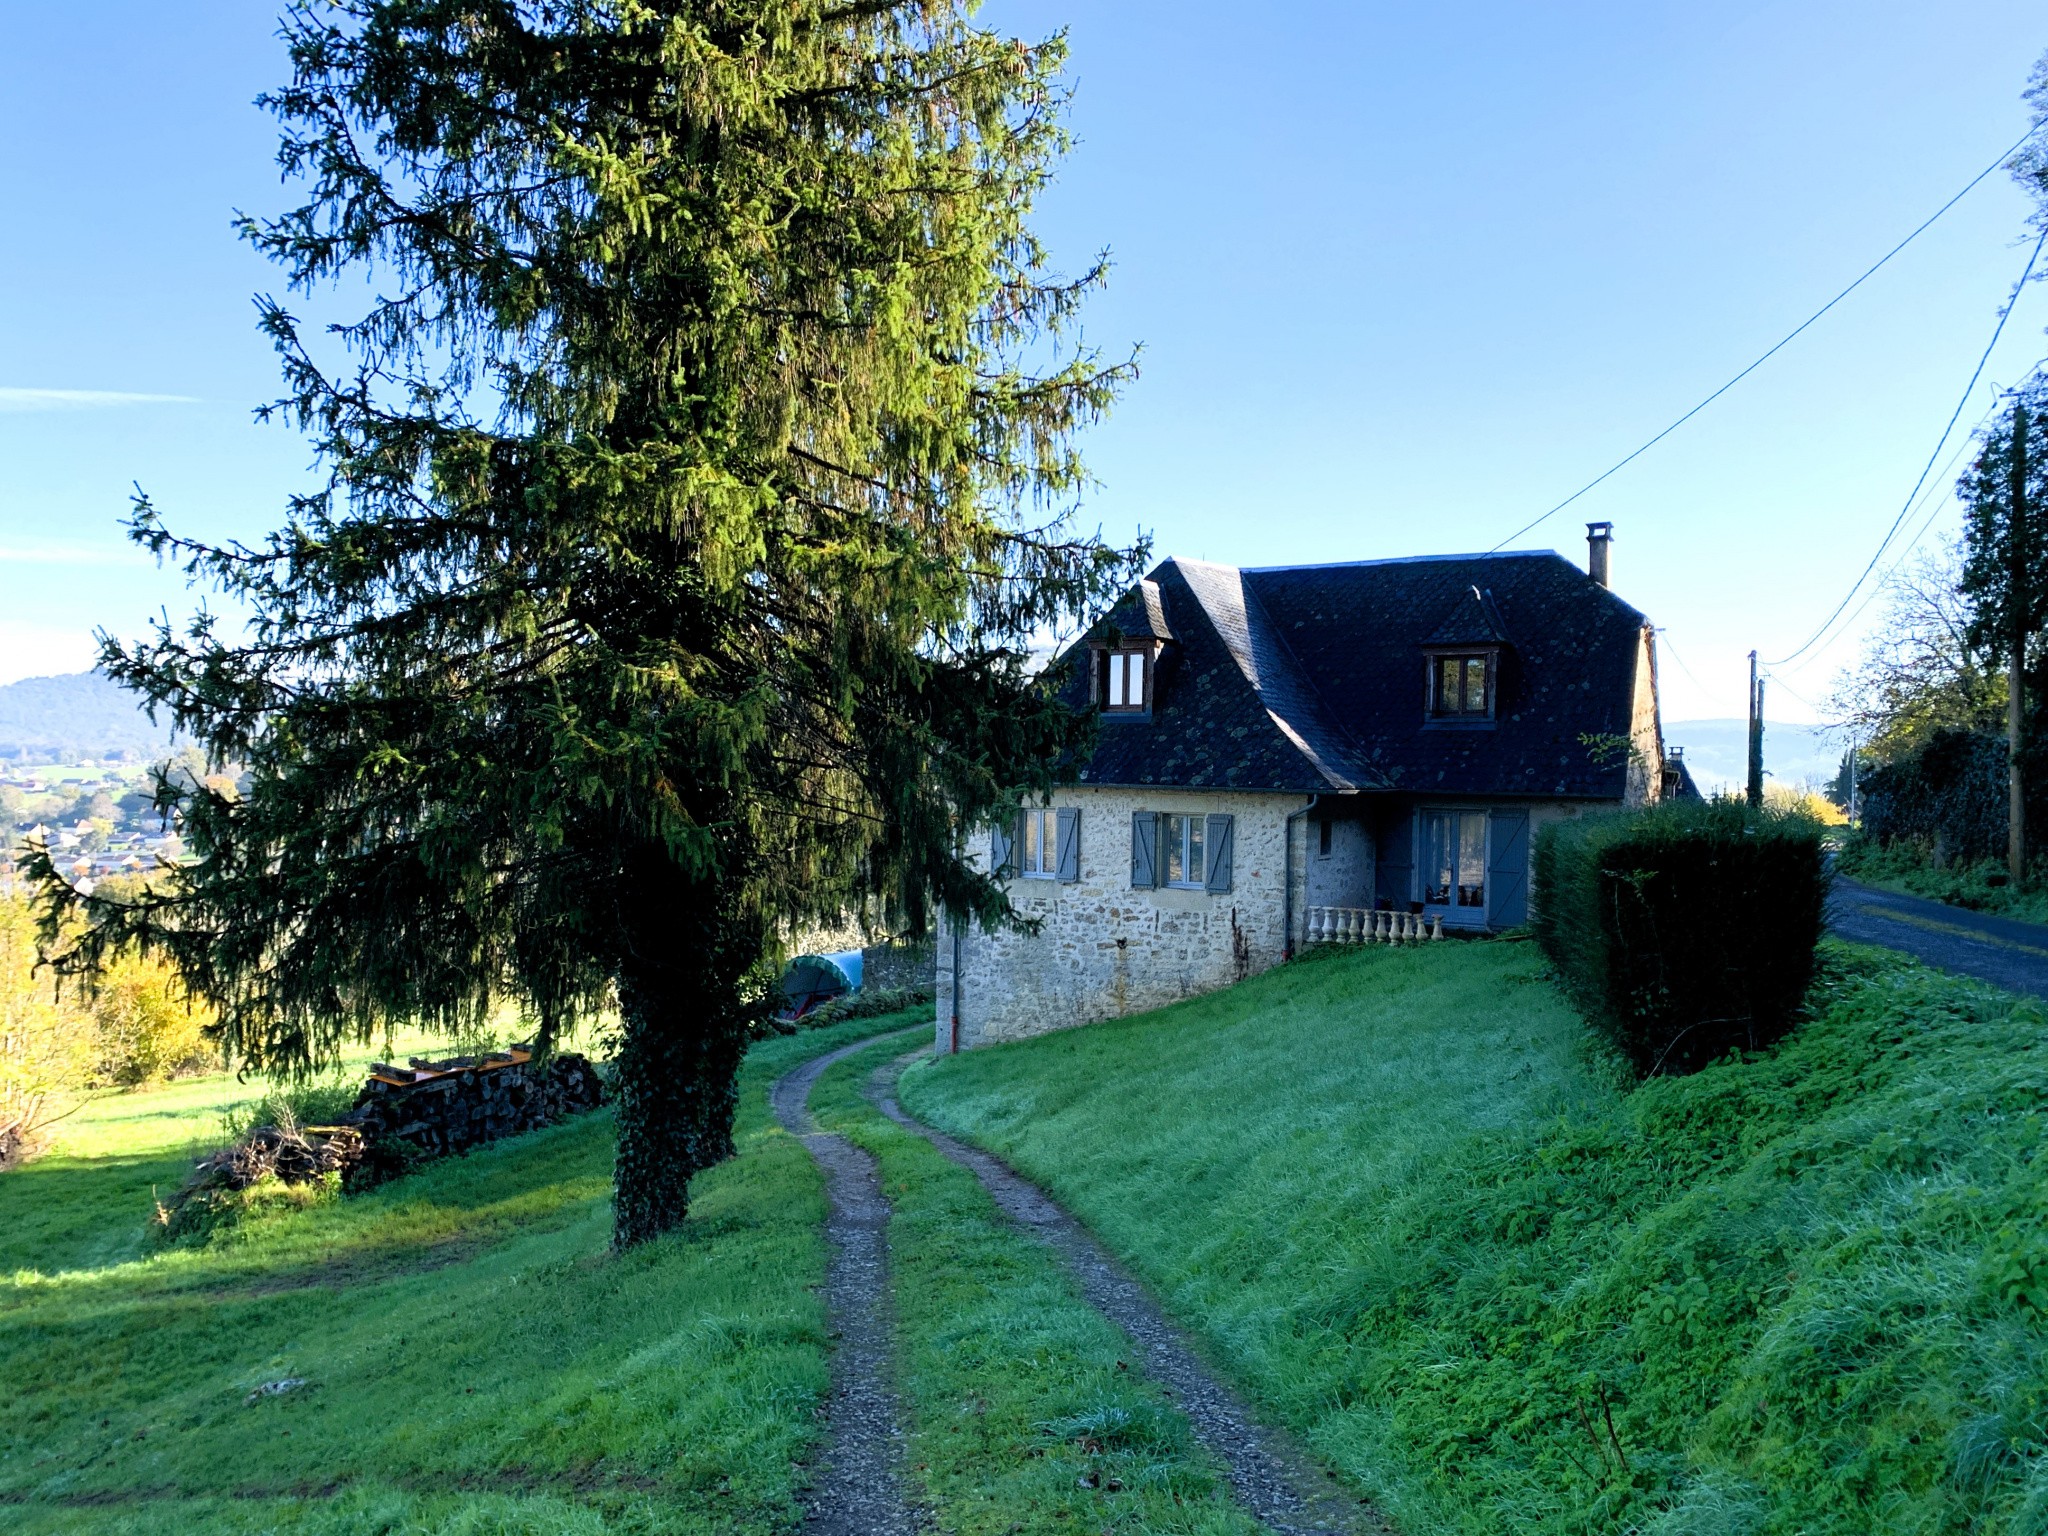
(693, 487)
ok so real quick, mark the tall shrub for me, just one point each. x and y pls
(1686, 930)
(46, 1043)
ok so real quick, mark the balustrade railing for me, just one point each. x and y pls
(1363, 925)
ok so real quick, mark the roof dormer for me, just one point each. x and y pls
(1124, 653)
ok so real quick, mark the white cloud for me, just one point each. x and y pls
(57, 554)
(43, 650)
(19, 400)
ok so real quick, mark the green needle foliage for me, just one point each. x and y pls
(693, 486)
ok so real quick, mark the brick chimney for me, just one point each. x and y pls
(1599, 537)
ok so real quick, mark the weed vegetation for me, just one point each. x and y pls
(1413, 1208)
(1025, 1418)
(1981, 885)
(458, 1352)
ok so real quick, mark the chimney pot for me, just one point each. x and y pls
(1599, 537)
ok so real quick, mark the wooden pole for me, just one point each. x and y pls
(1756, 736)
(2018, 602)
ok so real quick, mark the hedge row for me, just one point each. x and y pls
(1686, 930)
(1952, 794)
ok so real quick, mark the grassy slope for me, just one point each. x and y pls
(1024, 1418)
(1413, 1211)
(476, 1360)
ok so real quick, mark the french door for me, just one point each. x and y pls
(1454, 864)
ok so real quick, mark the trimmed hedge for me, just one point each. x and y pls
(1686, 930)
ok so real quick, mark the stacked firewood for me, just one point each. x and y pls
(403, 1116)
(443, 1107)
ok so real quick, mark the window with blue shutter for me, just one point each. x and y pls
(1144, 850)
(1068, 846)
(1221, 847)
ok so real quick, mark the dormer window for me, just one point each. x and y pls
(1461, 686)
(1128, 687)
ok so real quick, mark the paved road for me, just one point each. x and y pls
(2001, 950)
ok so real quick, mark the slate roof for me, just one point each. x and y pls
(1312, 678)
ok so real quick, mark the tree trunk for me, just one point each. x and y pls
(2019, 612)
(684, 1032)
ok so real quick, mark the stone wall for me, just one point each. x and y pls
(1343, 877)
(1104, 949)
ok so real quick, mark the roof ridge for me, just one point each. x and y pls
(1341, 565)
(1243, 645)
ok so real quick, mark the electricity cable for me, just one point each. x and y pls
(1788, 338)
(2004, 315)
(1665, 634)
(1906, 550)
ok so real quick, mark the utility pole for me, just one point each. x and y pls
(2018, 603)
(1756, 735)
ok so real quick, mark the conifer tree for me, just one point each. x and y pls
(692, 487)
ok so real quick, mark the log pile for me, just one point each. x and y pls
(403, 1116)
(443, 1107)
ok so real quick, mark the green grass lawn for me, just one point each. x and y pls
(475, 1360)
(1415, 1211)
(1025, 1418)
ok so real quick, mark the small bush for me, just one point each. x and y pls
(868, 1003)
(319, 1102)
(146, 1030)
(1684, 931)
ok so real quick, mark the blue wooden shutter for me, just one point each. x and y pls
(1216, 874)
(1000, 839)
(1144, 850)
(1507, 870)
(1068, 846)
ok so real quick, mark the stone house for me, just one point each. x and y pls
(1297, 753)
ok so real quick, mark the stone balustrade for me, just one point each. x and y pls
(1363, 925)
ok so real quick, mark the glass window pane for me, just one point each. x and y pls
(1472, 860)
(1475, 685)
(1447, 685)
(1175, 827)
(1116, 681)
(1197, 826)
(1439, 872)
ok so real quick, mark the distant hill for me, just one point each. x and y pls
(1717, 752)
(80, 714)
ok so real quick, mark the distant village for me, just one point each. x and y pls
(95, 815)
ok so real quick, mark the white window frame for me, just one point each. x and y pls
(1040, 862)
(1182, 841)
(1126, 666)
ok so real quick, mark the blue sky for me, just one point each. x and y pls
(1404, 275)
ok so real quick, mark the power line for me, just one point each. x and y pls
(1666, 634)
(1906, 550)
(1788, 337)
(2004, 315)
